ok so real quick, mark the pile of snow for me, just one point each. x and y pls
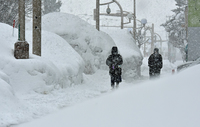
(94, 46)
(172, 101)
(59, 66)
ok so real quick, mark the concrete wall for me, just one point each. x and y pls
(193, 29)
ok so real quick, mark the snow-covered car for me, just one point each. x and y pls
(188, 64)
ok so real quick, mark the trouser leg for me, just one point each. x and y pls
(112, 84)
(117, 84)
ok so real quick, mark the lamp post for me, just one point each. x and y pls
(137, 35)
(134, 22)
(108, 10)
(152, 38)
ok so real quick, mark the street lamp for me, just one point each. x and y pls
(108, 13)
(108, 10)
(144, 22)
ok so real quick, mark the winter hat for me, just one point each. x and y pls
(156, 50)
(114, 50)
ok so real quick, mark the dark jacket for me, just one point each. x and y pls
(155, 63)
(114, 61)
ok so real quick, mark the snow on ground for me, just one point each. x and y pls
(39, 86)
(43, 85)
(171, 101)
(37, 75)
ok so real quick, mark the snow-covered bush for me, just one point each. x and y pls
(176, 27)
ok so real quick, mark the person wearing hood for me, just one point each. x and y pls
(155, 64)
(114, 61)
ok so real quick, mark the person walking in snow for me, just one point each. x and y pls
(155, 64)
(114, 61)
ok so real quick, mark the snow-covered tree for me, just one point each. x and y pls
(9, 9)
(51, 6)
(177, 27)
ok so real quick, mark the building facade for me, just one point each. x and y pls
(193, 29)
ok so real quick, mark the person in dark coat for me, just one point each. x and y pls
(114, 61)
(155, 64)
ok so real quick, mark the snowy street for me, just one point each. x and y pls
(68, 84)
(168, 101)
(93, 86)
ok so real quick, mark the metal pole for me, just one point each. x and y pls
(97, 14)
(134, 23)
(186, 21)
(144, 52)
(152, 38)
(37, 27)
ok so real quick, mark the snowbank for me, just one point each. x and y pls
(59, 66)
(94, 46)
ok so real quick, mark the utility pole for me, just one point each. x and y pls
(134, 22)
(21, 12)
(37, 27)
(21, 47)
(97, 14)
(152, 38)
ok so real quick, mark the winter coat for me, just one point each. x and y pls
(155, 63)
(114, 61)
